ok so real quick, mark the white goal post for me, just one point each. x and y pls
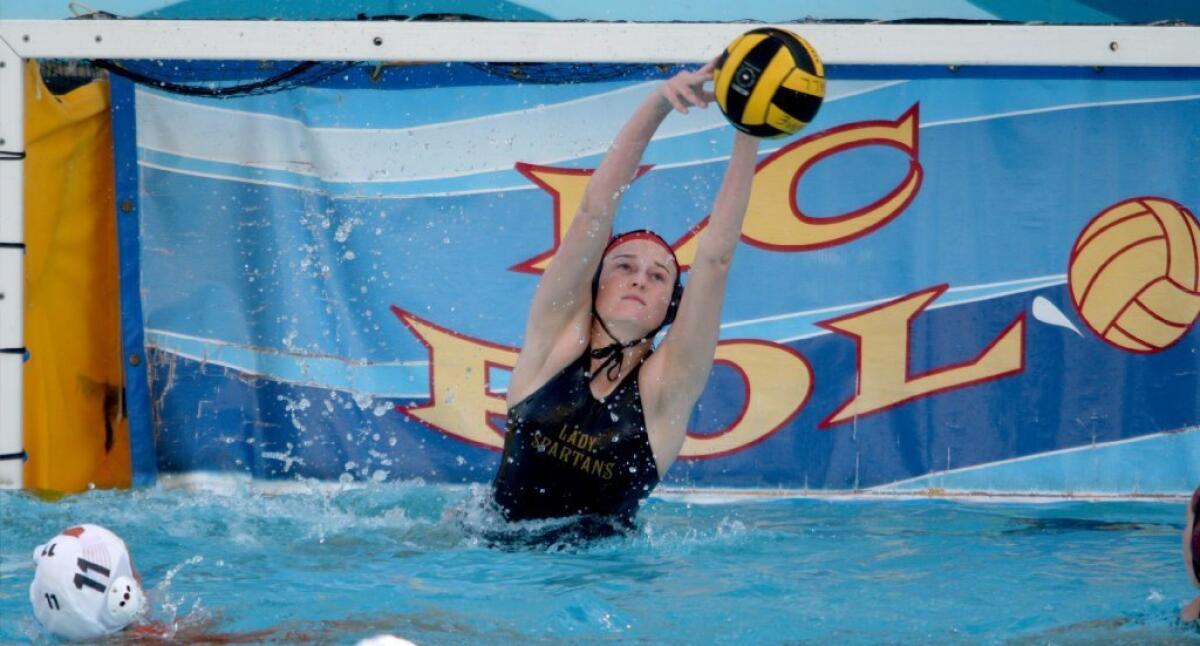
(865, 44)
(595, 42)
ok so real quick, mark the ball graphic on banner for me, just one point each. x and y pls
(1134, 274)
(769, 82)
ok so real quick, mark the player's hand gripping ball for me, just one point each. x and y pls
(769, 83)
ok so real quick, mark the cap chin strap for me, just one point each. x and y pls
(613, 354)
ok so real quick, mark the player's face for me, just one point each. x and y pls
(636, 281)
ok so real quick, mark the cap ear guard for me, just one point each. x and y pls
(125, 600)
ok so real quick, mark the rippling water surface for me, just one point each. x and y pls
(335, 564)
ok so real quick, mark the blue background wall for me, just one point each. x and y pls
(277, 232)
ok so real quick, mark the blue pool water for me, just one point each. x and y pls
(334, 564)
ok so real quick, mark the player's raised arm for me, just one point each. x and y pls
(687, 351)
(562, 301)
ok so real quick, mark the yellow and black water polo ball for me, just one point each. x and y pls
(769, 82)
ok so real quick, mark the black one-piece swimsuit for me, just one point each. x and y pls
(567, 453)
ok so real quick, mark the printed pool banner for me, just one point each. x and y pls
(970, 280)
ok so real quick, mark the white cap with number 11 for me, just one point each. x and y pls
(84, 586)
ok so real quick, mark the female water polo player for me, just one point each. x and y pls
(1191, 555)
(596, 416)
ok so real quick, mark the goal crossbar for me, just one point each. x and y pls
(598, 42)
